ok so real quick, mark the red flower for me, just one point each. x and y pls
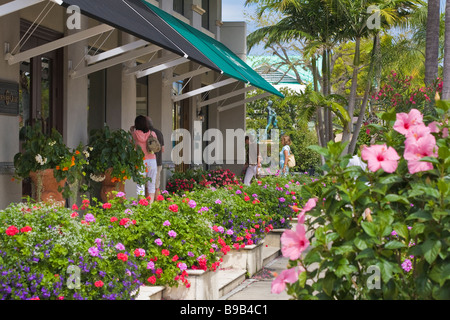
(26, 229)
(74, 215)
(152, 279)
(74, 207)
(99, 283)
(159, 271)
(165, 252)
(124, 221)
(122, 256)
(11, 231)
(143, 202)
(160, 198)
(133, 221)
(175, 258)
(247, 198)
(173, 208)
(113, 219)
(107, 205)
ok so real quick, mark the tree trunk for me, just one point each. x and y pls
(446, 75)
(432, 41)
(346, 134)
(373, 61)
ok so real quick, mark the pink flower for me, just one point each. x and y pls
(380, 156)
(405, 121)
(286, 276)
(414, 152)
(293, 243)
(417, 132)
(107, 205)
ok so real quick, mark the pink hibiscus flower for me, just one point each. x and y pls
(310, 204)
(417, 132)
(286, 276)
(423, 147)
(293, 243)
(380, 156)
(405, 121)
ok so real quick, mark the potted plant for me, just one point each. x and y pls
(42, 153)
(114, 159)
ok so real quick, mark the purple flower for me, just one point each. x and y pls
(151, 265)
(192, 204)
(407, 265)
(98, 241)
(93, 251)
(89, 217)
(172, 234)
(238, 191)
(120, 194)
(281, 199)
(120, 246)
(254, 195)
(128, 211)
(166, 223)
(158, 242)
(191, 254)
(218, 201)
(182, 266)
(230, 232)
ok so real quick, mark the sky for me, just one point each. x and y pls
(233, 10)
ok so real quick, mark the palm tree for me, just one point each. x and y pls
(432, 42)
(446, 73)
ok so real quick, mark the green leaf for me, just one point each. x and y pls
(396, 198)
(390, 179)
(431, 249)
(440, 273)
(365, 254)
(328, 283)
(401, 229)
(370, 228)
(421, 215)
(394, 245)
(360, 243)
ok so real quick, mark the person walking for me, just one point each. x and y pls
(141, 132)
(158, 154)
(284, 154)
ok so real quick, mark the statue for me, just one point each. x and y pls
(271, 118)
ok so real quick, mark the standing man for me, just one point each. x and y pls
(160, 138)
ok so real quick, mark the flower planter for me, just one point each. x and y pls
(108, 186)
(46, 187)
(273, 238)
(250, 258)
(204, 286)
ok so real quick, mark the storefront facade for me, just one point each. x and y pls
(79, 70)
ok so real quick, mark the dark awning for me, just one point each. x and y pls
(133, 17)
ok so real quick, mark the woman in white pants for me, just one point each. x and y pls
(251, 168)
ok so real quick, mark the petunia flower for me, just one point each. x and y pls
(380, 157)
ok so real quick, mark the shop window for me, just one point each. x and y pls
(178, 6)
(205, 16)
(142, 96)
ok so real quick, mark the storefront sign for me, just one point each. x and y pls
(9, 98)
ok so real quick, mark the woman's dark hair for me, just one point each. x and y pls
(140, 123)
(150, 124)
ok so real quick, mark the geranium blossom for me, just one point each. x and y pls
(405, 121)
(286, 276)
(172, 234)
(11, 231)
(26, 229)
(166, 223)
(192, 204)
(173, 208)
(120, 246)
(293, 243)
(89, 217)
(158, 242)
(93, 251)
(151, 265)
(380, 157)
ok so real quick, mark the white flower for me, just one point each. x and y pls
(40, 160)
(52, 143)
(86, 154)
(97, 178)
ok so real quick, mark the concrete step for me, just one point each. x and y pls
(269, 254)
(150, 293)
(229, 279)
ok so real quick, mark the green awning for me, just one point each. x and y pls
(230, 64)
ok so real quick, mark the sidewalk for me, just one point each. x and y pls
(258, 287)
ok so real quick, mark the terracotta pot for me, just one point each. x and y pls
(108, 186)
(49, 187)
